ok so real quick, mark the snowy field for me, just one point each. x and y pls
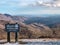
(10, 44)
(41, 43)
(36, 42)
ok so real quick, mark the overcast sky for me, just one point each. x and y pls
(16, 7)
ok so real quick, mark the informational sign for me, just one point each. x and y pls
(12, 27)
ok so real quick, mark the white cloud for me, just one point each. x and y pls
(21, 3)
(48, 3)
(13, 6)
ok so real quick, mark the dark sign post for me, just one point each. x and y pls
(12, 28)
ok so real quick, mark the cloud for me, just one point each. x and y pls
(29, 6)
(21, 3)
(54, 3)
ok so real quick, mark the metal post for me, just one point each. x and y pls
(8, 36)
(16, 37)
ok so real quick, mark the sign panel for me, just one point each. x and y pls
(12, 27)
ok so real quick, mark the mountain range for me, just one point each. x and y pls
(32, 27)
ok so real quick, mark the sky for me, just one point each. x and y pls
(33, 7)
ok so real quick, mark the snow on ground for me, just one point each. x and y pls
(10, 44)
(35, 42)
(39, 40)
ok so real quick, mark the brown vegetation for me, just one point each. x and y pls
(30, 31)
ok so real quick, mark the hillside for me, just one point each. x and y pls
(35, 28)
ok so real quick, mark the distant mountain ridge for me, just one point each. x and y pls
(32, 27)
(49, 21)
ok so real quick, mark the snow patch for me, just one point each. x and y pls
(10, 44)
